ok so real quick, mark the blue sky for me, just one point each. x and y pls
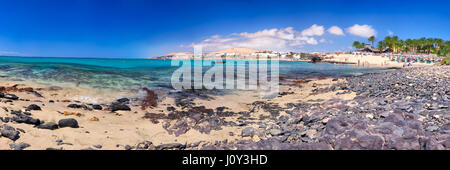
(146, 28)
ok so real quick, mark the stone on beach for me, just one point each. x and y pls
(77, 106)
(94, 119)
(33, 107)
(248, 132)
(26, 119)
(170, 146)
(123, 100)
(11, 96)
(19, 146)
(68, 123)
(97, 107)
(117, 107)
(9, 132)
(49, 125)
(275, 132)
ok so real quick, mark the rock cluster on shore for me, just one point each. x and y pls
(405, 109)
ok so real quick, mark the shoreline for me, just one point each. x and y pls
(368, 61)
(344, 59)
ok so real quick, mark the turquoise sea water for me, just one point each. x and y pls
(136, 73)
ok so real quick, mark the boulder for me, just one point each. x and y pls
(68, 123)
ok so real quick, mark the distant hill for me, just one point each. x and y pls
(175, 55)
(240, 50)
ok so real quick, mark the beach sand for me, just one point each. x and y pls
(369, 61)
(121, 128)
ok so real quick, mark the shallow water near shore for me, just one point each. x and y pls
(130, 74)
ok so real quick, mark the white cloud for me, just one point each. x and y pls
(314, 30)
(335, 30)
(286, 39)
(361, 30)
(304, 40)
(9, 53)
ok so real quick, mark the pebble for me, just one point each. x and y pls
(97, 107)
(19, 146)
(275, 132)
(432, 128)
(94, 119)
(33, 107)
(248, 132)
(128, 147)
(49, 125)
(116, 107)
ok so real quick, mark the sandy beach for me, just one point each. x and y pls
(368, 60)
(115, 130)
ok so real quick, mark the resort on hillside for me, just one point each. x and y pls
(390, 52)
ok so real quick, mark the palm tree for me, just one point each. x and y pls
(430, 43)
(423, 45)
(381, 45)
(357, 44)
(388, 42)
(408, 45)
(415, 44)
(394, 42)
(372, 39)
(400, 46)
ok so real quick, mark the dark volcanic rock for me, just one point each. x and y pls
(97, 107)
(19, 146)
(128, 147)
(26, 119)
(37, 94)
(170, 108)
(78, 106)
(33, 107)
(116, 107)
(123, 100)
(10, 96)
(406, 109)
(361, 143)
(9, 132)
(49, 125)
(403, 143)
(338, 125)
(144, 145)
(170, 146)
(68, 123)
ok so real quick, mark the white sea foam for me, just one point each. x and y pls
(86, 99)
